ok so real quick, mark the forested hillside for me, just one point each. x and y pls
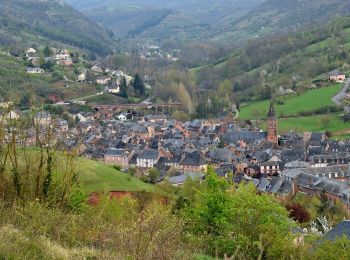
(225, 22)
(33, 21)
(291, 61)
(157, 19)
(279, 16)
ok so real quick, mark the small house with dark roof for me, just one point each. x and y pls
(225, 170)
(193, 162)
(272, 167)
(280, 187)
(336, 76)
(170, 161)
(291, 174)
(340, 230)
(221, 155)
(196, 125)
(263, 184)
(290, 155)
(117, 157)
(259, 157)
(234, 137)
(147, 158)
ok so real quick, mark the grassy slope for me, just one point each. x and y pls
(93, 176)
(96, 176)
(310, 123)
(313, 123)
(310, 100)
(294, 104)
(15, 83)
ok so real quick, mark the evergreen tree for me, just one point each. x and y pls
(90, 76)
(123, 88)
(47, 51)
(139, 86)
(76, 57)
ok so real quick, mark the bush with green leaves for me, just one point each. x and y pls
(229, 220)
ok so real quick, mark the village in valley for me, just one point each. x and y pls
(144, 139)
(176, 151)
(192, 130)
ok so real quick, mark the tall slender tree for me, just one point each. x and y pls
(123, 88)
(139, 85)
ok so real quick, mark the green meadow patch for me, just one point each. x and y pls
(293, 104)
(331, 123)
(97, 176)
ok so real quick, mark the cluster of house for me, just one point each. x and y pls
(280, 165)
(63, 58)
(152, 52)
(60, 57)
(111, 79)
(38, 131)
(277, 164)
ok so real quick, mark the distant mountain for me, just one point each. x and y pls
(218, 20)
(25, 22)
(282, 15)
(159, 19)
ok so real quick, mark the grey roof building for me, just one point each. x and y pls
(342, 229)
(246, 136)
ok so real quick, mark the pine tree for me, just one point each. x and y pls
(47, 51)
(123, 88)
(139, 86)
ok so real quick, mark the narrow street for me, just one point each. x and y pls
(342, 93)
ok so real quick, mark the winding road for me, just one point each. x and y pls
(341, 94)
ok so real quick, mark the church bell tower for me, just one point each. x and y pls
(272, 134)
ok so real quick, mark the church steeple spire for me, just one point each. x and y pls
(272, 113)
(272, 134)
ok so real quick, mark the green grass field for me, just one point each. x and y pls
(93, 176)
(311, 123)
(97, 176)
(294, 104)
